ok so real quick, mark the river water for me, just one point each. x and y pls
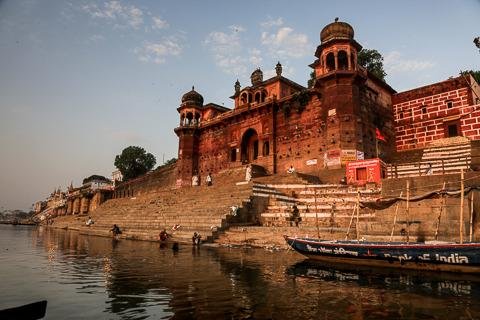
(87, 277)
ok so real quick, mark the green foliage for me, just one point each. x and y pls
(475, 74)
(168, 162)
(173, 160)
(372, 60)
(133, 162)
(311, 81)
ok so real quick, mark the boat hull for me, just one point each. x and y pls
(451, 257)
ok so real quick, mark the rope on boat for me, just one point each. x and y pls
(387, 202)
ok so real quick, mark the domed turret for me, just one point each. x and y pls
(336, 31)
(278, 69)
(193, 97)
(256, 77)
(237, 86)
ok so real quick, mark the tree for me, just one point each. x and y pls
(167, 163)
(311, 81)
(475, 74)
(133, 162)
(372, 60)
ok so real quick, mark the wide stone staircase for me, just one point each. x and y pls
(325, 211)
(449, 155)
(205, 209)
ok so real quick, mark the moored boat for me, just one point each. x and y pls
(434, 255)
(30, 311)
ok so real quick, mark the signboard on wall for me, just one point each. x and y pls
(360, 155)
(332, 158)
(311, 162)
(348, 155)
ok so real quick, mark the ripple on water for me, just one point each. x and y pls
(92, 277)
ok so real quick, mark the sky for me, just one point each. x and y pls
(81, 80)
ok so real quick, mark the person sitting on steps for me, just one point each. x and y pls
(291, 169)
(295, 216)
(89, 221)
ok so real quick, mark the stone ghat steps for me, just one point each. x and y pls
(159, 223)
(196, 209)
(325, 205)
(331, 175)
(134, 233)
(448, 157)
(272, 237)
(286, 178)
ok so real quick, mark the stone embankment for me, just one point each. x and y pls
(265, 208)
(205, 209)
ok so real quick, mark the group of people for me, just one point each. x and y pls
(248, 176)
(196, 181)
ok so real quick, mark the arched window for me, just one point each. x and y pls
(257, 97)
(182, 120)
(243, 98)
(330, 62)
(189, 120)
(266, 148)
(264, 96)
(250, 98)
(342, 60)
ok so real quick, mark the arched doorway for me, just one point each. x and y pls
(249, 146)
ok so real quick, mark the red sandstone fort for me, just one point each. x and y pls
(325, 131)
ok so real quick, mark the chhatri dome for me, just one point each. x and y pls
(336, 31)
(193, 97)
(256, 77)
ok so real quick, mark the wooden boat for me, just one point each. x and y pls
(434, 255)
(30, 311)
(463, 257)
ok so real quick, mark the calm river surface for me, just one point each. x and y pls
(86, 277)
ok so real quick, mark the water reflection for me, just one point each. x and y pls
(139, 280)
(429, 283)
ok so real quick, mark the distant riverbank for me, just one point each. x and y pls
(18, 222)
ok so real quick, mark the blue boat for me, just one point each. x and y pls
(433, 256)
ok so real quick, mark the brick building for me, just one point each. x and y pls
(276, 122)
(446, 109)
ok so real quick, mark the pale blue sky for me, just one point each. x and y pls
(81, 80)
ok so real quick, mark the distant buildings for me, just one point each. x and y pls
(76, 200)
